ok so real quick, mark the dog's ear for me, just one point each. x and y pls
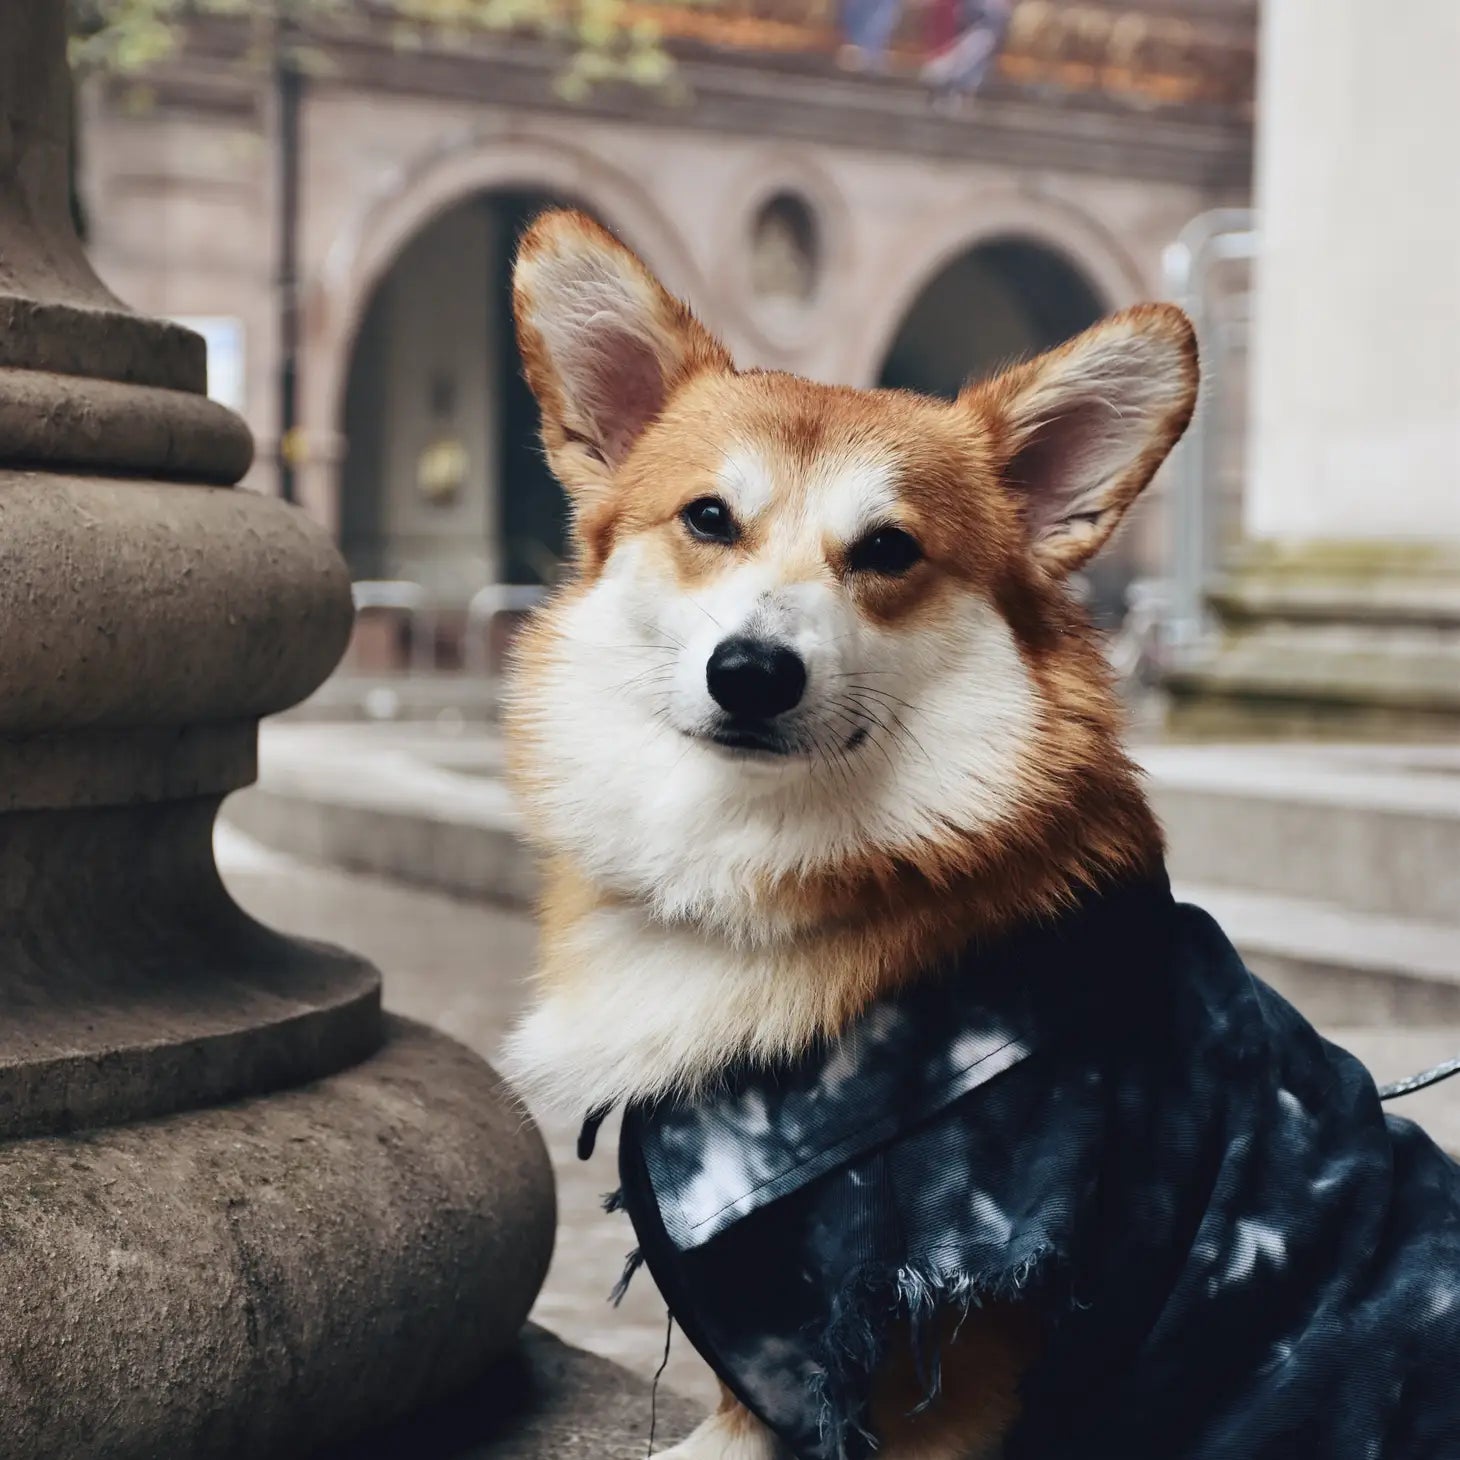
(603, 345)
(1080, 431)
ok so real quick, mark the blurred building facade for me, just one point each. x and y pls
(837, 220)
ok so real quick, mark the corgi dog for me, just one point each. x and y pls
(817, 708)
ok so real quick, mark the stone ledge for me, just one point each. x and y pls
(93, 336)
(358, 697)
(1336, 828)
(56, 420)
(545, 1401)
(1398, 582)
(1374, 830)
(416, 806)
(86, 767)
(1329, 640)
(1340, 967)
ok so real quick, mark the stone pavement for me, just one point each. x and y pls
(461, 966)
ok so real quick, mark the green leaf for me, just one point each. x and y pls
(605, 41)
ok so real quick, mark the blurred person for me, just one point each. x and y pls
(967, 35)
(867, 28)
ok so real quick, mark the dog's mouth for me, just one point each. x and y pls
(751, 738)
(758, 740)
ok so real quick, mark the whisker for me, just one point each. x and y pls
(828, 754)
(707, 613)
(865, 723)
(637, 648)
(655, 674)
(811, 743)
(806, 740)
(846, 770)
(891, 698)
(689, 745)
(894, 724)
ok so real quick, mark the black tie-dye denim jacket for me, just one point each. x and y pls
(1233, 1253)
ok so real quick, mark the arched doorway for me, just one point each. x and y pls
(443, 482)
(1001, 301)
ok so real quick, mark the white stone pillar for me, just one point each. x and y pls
(1357, 346)
(1341, 616)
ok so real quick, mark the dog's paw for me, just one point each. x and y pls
(732, 1434)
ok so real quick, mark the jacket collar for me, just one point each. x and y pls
(767, 1132)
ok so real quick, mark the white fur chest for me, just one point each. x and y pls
(632, 1007)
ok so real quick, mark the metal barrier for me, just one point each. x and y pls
(400, 596)
(1219, 236)
(1137, 649)
(486, 607)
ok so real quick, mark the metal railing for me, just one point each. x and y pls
(1137, 649)
(397, 595)
(487, 605)
(412, 601)
(1220, 236)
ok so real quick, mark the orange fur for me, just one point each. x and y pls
(981, 1360)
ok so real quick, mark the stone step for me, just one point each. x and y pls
(1372, 829)
(429, 808)
(1343, 969)
(415, 803)
(443, 699)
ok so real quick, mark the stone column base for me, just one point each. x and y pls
(266, 1278)
(1334, 640)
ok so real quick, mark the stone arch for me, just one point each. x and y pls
(1029, 274)
(407, 200)
(927, 247)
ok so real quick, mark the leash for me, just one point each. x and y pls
(654, 1392)
(1421, 1081)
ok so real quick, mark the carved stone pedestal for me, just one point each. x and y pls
(241, 1213)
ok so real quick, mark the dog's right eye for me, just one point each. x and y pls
(709, 519)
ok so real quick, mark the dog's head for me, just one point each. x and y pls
(811, 627)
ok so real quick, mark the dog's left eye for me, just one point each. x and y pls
(709, 518)
(889, 551)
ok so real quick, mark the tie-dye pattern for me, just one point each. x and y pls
(1235, 1254)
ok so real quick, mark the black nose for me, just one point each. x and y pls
(754, 679)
